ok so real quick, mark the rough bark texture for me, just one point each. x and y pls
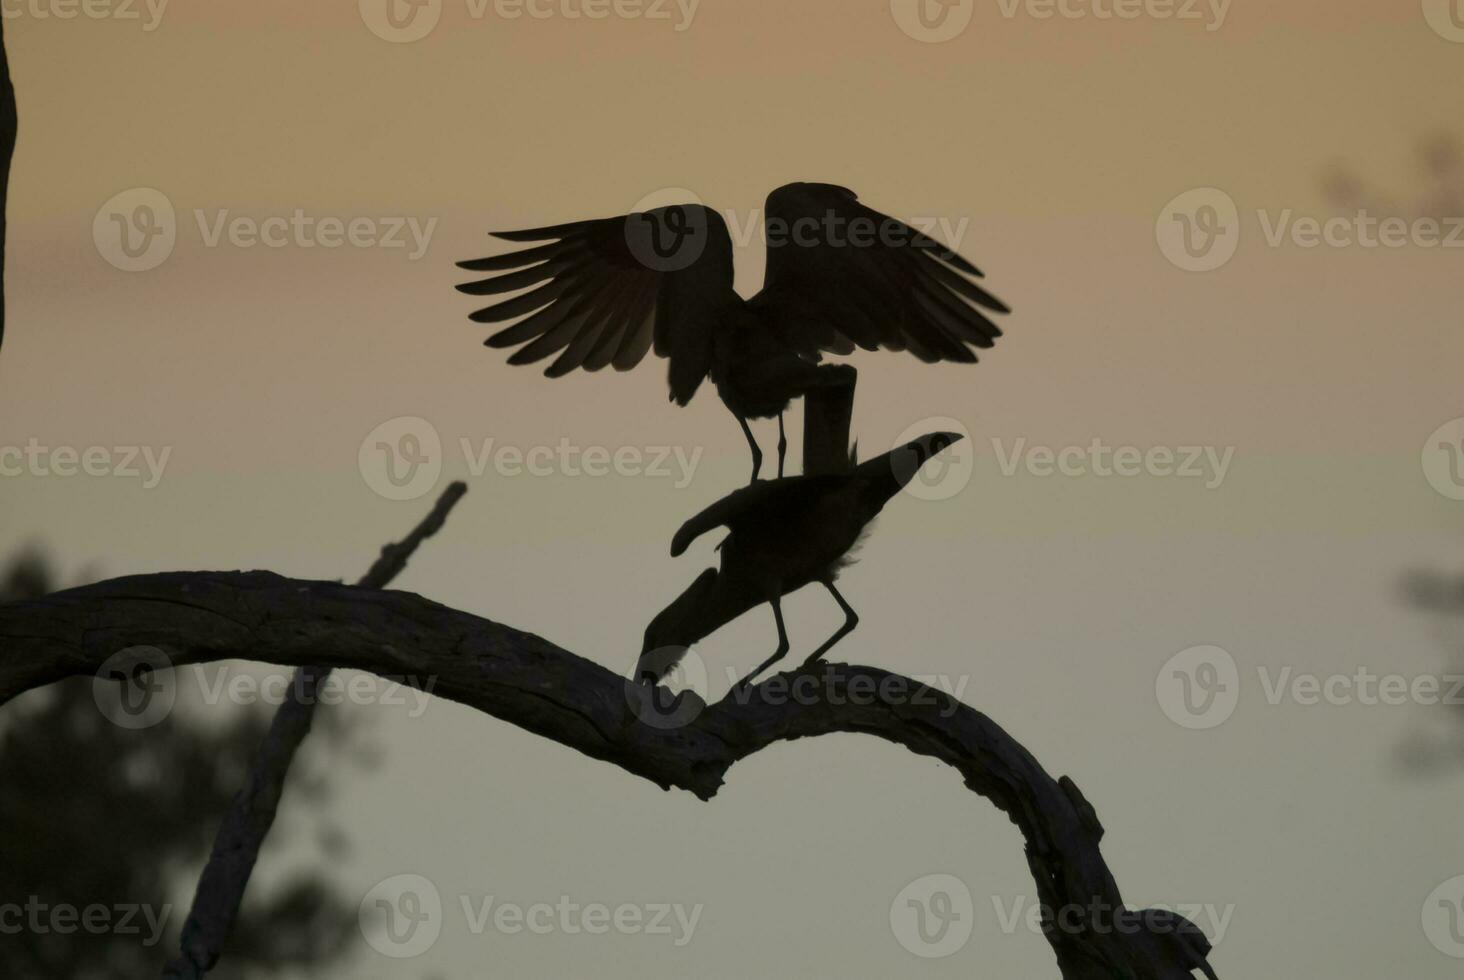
(525, 680)
(241, 834)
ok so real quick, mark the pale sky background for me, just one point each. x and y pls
(1056, 600)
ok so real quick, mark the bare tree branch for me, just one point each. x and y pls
(241, 834)
(525, 680)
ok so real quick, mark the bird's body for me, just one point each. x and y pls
(784, 534)
(607, 291)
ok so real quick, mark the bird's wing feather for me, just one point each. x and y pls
(603, 292)
(724, 513)
(755, 504)
(841, 274)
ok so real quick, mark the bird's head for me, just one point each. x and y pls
(676, 628)
(906, 461)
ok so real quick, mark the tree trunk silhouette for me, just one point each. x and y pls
(9, 124)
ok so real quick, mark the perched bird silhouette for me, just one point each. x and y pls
(785, 534)
(839, 275)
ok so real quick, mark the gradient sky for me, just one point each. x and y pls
(1057, 600)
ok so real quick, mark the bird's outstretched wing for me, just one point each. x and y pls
(605, 291)
(840, 273)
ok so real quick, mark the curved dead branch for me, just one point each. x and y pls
(197, 617)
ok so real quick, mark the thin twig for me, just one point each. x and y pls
(241, 834)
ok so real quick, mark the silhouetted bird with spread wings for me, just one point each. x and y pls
(784, 535)
(839, 275)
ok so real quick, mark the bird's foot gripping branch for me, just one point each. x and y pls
(196, 617)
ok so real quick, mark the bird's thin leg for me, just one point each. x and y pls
(782, 650)
(752, 443)
(782, 445)
(851, 620)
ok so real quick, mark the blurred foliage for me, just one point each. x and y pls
(1440, 193)
(95, 815)
(1441, 745)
